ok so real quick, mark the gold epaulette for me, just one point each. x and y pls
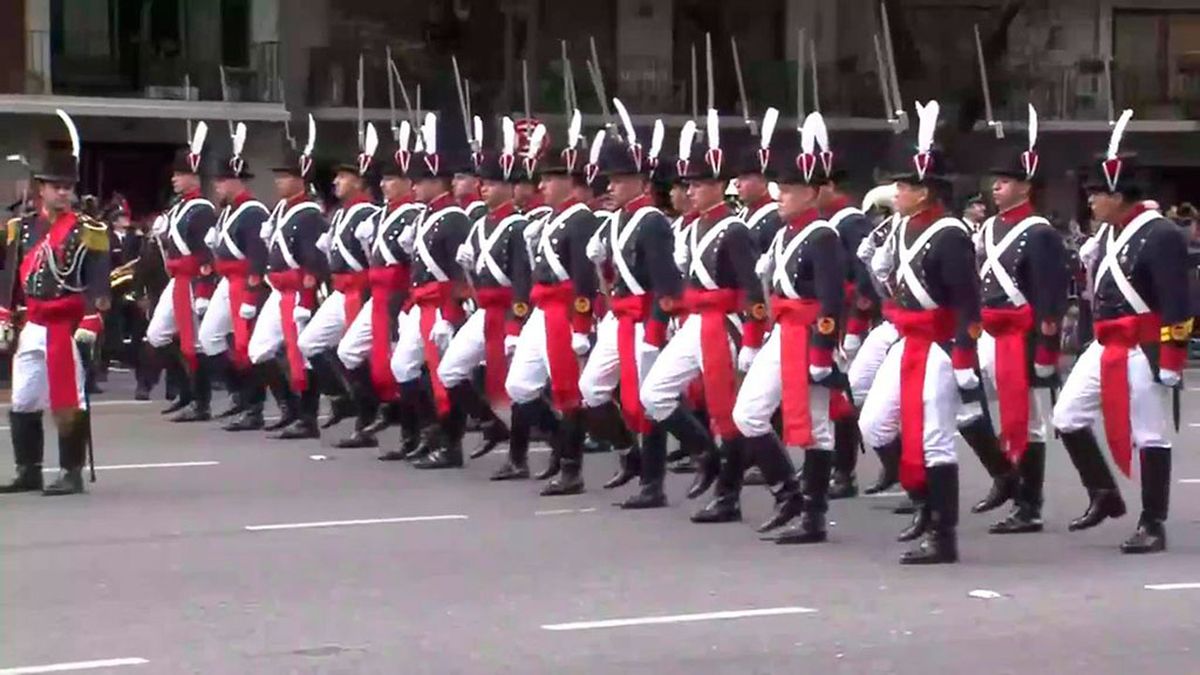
(14, 229)
(1178, 332)
(94, 234)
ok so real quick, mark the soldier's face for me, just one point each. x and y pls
(429, 189)
(1105, 207)
(751, 188)
(395, 188)
(523, 193)
(465, 185)
(1007, 192)
(227, 189)
(57, 196)
(796, 199)
(496, 193)
(184, 183)
(287, 185)
(625, 189)
(555, 189)
(346, 184)
(910, 198)
(679, 198)
(706, 194)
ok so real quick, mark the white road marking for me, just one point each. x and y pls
(1190, 481)
(341, 523)
(985, 594)
(77, 665)
(99, 404)
(678, 618)
(160, 465)
(877, 495)
(1174, 587)
(1194, 425)
(560, 512)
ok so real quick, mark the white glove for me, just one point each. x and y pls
(85, 336)
(364, 232)
(266, 231)
(966, 378)
(301, 314)
(596, 251)
(819, 373)
(465, 256)
(1044, 370)
(851, 344)
(440, 333)
(408, 238)
(510, 344)
(325, 242)
(762, 268)
(210, 238)
(200, 306)
(160, 225)
(1169, 378)
(247, 311)
(681, 254)
(580, 343)
(746, 358)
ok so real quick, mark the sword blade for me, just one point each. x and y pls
(741, 82)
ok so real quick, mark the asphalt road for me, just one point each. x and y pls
(202, 568)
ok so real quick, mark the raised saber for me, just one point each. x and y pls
(413, 120)
(812, 51)
(361, 95)
(392, 97)
(888, 108)
(462, 104)
(901, 116)
(695, 86)
(741, 82)
(225, 97)
(566, 78)
(708, 61)
(800, 68)
(987, 90)
(598, 80)
(525, 88)
(187, 96)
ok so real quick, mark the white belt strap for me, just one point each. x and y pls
(618, 247)
(175, 218)
(781, 278)
(226, 222)
(1111, 263)
(762, 212)
(698, 249)
(906, 274)
(277, 238)
(388, 220)
(994, 250)
(546, 248)
(488, 242)
(423, 249)
(845, 213)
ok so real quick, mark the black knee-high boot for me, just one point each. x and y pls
(982, 438)
(28, 440)
(175, 366)
(1104, 497)
(517, 466)
(235, 383)
(275, 378)
(72, 452)
(940, 542)
(889, 471)
(332, 380)
(818, 465)
(253, 396)
(684, 426)
(780, 476)
(568, 444)
(605, 424)
(652, 469)
(305, 425)
(1026, 515)
(1151, 534)
(366, 405)
(727, 505)
(846, 445)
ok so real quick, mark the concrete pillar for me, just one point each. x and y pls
(37, 26)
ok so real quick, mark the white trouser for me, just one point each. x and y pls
(529, 372)
(880, 417)
(465, 353)
(267, 337)
(869, 358)
(1149, 408)
(602, 373)
(355, 345)
(163, 328)
(1037, 408)
(31, 378)
(679, 363)
(325, 329)
(762, 393)
(217, 323)
(409, 354)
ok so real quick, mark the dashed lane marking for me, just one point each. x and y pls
(76, 665)
(562, 512)
(678, 618)
(1189, 586)
(160, 465)
(344, 523)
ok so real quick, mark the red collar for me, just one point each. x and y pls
(467, 200)
(805, 218)
(566, 204)
(296, 199)
(534, 203)
(759, 203)
(1137, 210)
(714, 213)
(441, 201)
(503, 211)
(192, 194)
(927, 217)
(356, 198)
(242, 197)
(641, 201)
(394, 204)
(1017, 213)
(837, 203)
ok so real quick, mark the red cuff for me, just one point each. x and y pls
(1045, 356)
(821, 358)
(656, 333)
(857, 325)
(203, 289)
(452, 311)
(581, 322)
(963, 358)
(753, 333)
(1172, 357)
(92, 323)
(512, 328)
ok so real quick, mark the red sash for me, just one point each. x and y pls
(631, 310)
(1010, 328)
(557, 302)
(494, 303)
(60, 317)
(183, 271)
(290, 285)
(430, 298)
(352, 285)
(1118, 336)
(385, 281)
(237, 273)
(920, 329)
(793, 317)
(720, 388)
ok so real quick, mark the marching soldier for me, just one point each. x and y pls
(435, 299)
(345, 244)
(1143, 323)
(636, 243)
(183, 231)
(57, 260)
(1024, 282)
(489, 256)
(240, 257)
(723, 292)
(366, 348)
(560, 284)
(760, 212)
(795, 370)
(916, 394)
(295, 266)
(466, 192)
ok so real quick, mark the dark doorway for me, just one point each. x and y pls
(140, 171)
